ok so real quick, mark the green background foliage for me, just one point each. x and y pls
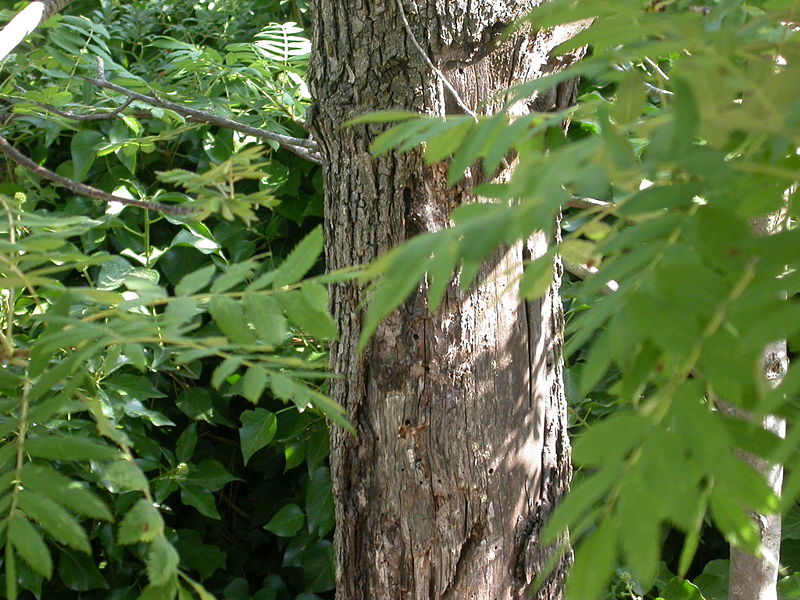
(163, 377)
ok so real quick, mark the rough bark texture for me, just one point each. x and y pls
(461, 447)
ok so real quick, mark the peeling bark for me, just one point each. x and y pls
(461, 447)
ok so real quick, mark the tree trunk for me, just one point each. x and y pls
(461, 446)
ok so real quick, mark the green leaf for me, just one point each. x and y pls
(266, 317)
(640, 529)
(184, 447)
(319, 502)
(537, 277)
(203, 558)
(287, 521)
(734, 523)
(162, 561)
(300, 260)
(402, 137)
(229, 317)
(211, 475)
(28, 543)
(318, 566)
(789, 587)
(447, 138)
(631, 96)
(607, 442)
(64, 447)
(54, 519)
(201, 592)
(63, 490)
(577, 503)
(686, 115)
(790, 528)
(113, 273)
(160, 592)
(84, 152)
(680, 589)
(402, 270)
(595, 559)
(226, 368)
(258, 429)
(196, 403)
(135, 355)
(142, 523)
(713, 582)
(195, 281)
(233, 276)
(138, 387)
(200, 240)
(201, 499)
(253, 383)
(79, 573)
(306, 315)
(180, 310)
(11, 572)
(473, 147)
(123, 476)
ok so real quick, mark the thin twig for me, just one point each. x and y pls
(104, 116)
(84, 117)
(25, 22)
(586, 203)
(304, 148)
(656, 68)
(86, 190)
(433, 67)
(658, 90)
(649, 86)
(584, 271)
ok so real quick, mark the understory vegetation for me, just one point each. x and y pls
(163, 366)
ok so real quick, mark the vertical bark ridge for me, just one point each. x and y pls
(460, 445)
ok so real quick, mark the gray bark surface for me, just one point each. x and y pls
(461, 446)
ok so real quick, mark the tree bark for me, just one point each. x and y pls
(461, 446)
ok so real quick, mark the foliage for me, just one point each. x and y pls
(162, 388)
(688, 137)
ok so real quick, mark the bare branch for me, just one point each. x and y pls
(25, 22)
(304, 148)
(86, 190)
